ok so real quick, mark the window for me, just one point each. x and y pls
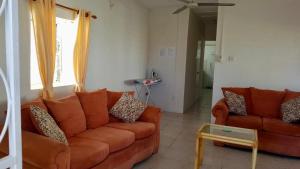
(65, 40)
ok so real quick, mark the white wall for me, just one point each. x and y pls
(196, 33)
(263, 38)
(118, 47)
(168, 32)
(119, 42)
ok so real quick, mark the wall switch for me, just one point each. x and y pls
(173, 98)
(230, 58)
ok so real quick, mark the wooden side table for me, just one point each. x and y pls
(225, 134)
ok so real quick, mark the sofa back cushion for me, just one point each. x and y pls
(113, 97)
(94, 105)
(243, 92)
(25, 115)
(290, 95)
(68, 114)
(267, 103)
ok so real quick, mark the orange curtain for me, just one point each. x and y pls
(44, 26)
(81, 49)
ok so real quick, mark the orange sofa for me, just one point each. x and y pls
(263, 107)
(115, 145)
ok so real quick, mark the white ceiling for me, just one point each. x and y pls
(160, 3)
(203, 12)
(165, 3)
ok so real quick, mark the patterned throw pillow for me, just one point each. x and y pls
(46, 125)
(128, 108)
(291, 110)
(236, 103)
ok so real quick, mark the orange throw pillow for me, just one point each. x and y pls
(94, 105)
(267, 103)
(68, 114)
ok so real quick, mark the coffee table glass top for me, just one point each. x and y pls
(230, 132)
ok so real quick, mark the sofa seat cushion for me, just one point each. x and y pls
(140, 129)
(86, 153)
(116, 139)
(267, 103)
(251, 122)
(279, 127)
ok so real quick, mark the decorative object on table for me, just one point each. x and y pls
(226, 134)
(146, 84)
(128, 108)
(46, 125)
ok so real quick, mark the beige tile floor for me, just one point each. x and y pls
(178, 146)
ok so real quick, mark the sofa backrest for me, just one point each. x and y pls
(267, 103)
(290, 95)
(113, 97)
(27, 125)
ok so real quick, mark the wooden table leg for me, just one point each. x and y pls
(199, 153)
(254, 157)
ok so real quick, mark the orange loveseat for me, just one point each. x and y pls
(115, 145)
(264, 114)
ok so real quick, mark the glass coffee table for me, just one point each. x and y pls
(225, 134)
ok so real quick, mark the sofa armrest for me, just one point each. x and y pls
(220, 111)
(153, 115)
(41, 152)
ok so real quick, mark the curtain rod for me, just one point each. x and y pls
(71, 9)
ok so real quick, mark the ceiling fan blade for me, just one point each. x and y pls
(180, 10)
(185, 1)
(216, 4)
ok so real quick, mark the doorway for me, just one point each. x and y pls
(207, 74)
(209, 64)
(200, 60)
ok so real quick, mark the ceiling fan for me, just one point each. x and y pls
(195, 4)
